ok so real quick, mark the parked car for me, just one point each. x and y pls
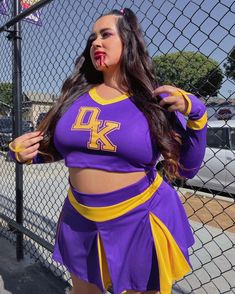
(218, 169)
(6, 130)
(224, 114)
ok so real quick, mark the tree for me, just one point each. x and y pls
(6, 93)
(191, 71)
(229, 65)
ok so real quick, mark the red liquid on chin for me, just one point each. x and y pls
(100, 60)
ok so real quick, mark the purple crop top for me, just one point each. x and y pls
(113, 135)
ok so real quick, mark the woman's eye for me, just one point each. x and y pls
(106, 34)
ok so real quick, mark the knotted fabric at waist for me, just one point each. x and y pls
(105, 213)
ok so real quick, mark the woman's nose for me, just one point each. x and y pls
(96, 43)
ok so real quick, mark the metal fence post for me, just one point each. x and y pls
(17, 102)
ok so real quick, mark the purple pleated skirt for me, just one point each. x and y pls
(126, 242)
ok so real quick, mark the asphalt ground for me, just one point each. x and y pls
(27, 276)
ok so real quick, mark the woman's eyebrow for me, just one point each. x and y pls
(101, 31)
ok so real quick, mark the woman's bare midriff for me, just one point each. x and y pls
(94, 181)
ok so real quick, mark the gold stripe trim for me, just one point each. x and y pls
(197, 124)
(97, 98)
(101, 214)
(185, 95)
(171, 261)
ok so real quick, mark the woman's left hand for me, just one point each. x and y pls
(175, 101)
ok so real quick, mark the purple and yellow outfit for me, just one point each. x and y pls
(135, 238)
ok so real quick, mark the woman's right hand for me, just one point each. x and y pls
(27, 146)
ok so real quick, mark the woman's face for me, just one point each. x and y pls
(106, 45)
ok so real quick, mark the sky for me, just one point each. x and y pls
(49, 51)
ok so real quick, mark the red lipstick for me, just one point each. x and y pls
(98, 54)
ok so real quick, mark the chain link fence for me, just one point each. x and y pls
(192, 44)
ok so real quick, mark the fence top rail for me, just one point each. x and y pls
(23, 14)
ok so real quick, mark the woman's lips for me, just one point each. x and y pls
(98, 55)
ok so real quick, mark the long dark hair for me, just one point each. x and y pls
(137, 77)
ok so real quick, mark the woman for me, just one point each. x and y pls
(121, 224)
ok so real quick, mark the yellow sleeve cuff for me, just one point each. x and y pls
(18, 149)
(197, 124)
(185, 95)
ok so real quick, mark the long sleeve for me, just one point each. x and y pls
(194, 139)
(38, 159)
(193, 133)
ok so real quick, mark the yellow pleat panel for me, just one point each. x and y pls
(104, 271)
(197, 124)
(171, 261)
(100, 214)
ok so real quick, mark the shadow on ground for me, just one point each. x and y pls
(27, 276)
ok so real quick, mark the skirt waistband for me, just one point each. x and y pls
(133, 196)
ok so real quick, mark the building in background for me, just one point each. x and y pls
(35, 104)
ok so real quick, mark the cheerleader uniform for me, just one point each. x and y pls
(137, 237)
